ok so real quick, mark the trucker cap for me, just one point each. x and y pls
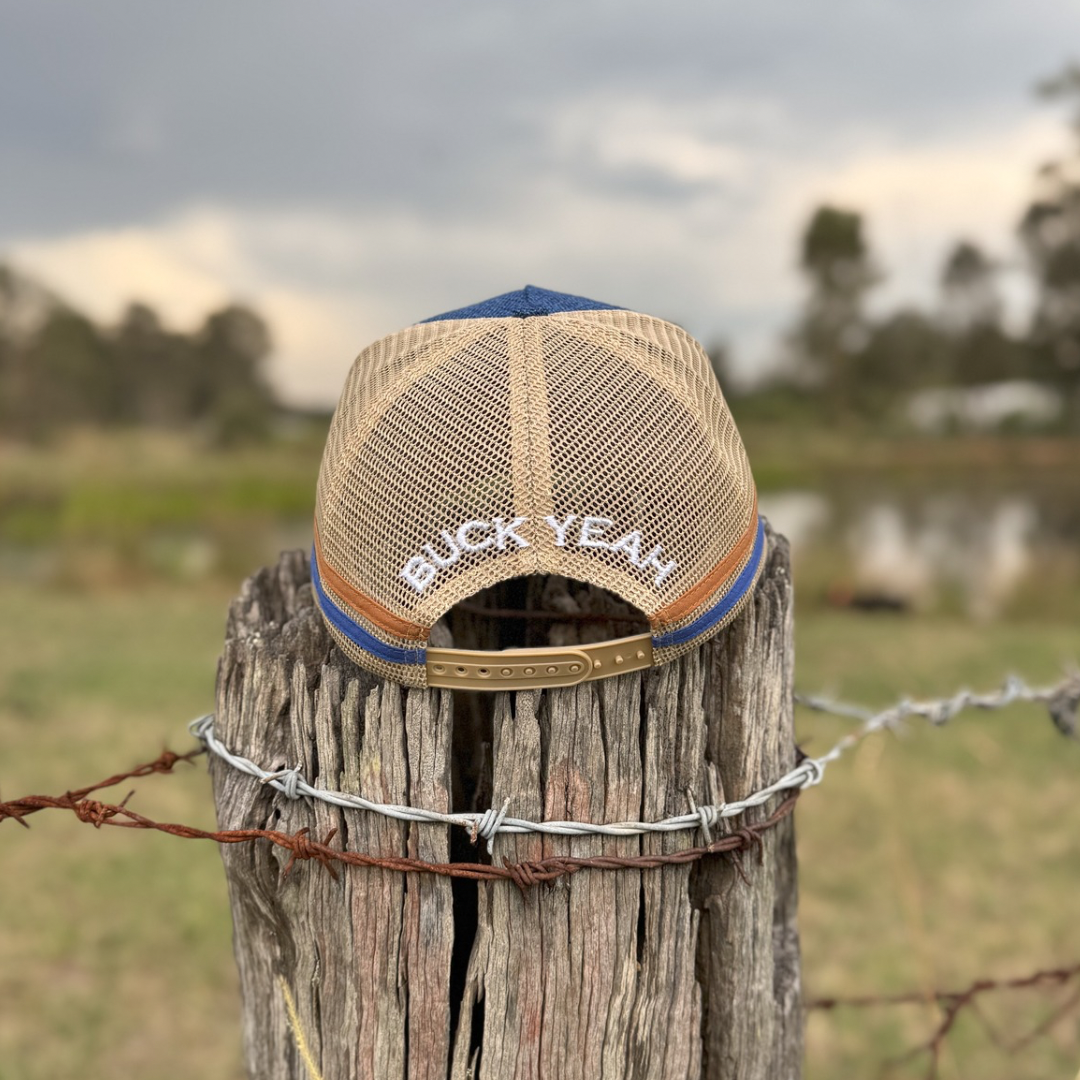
(532, 433)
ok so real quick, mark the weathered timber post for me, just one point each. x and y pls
(688, 971)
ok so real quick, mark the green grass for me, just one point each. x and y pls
(927, 860)
(942, 856)
(115, 954)
(822, 455)
(131, 507)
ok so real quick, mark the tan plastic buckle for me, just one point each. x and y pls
(536, 669)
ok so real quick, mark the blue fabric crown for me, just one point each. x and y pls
(523, 304)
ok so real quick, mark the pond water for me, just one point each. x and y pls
(875, 547)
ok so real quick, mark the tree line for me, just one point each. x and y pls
(58, 368)
(842, 362)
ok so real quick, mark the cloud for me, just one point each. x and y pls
(353, 170)
(689, 141)
(115, 112)
(177, 268)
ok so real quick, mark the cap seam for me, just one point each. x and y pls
(529, 416)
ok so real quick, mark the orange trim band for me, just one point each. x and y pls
(373, 611)
(695, 596)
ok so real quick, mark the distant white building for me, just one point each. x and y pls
(983, 408)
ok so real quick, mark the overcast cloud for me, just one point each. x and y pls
(353, 167)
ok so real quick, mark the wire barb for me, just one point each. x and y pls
(290, 781)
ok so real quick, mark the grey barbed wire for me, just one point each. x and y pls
(1062, 700)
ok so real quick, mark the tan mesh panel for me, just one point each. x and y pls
(381, 373)
(650, 462)
(437, 457)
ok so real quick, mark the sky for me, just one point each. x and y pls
(349, 168)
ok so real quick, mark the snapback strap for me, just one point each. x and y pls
(535, 669)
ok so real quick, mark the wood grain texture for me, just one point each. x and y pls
(684, 972)
(749, 946)
(367, 955)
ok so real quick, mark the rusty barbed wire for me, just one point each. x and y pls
(301, 846)
(164, 763)
(953, 1002)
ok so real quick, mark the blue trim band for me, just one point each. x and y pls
(732, 597)
(356, 633)
(523, 304)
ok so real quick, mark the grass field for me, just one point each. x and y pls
(927, 860)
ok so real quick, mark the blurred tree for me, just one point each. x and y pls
(157, 369)
(8, 361)
(969, 288)
(833, 331)
(24, 308)
(980, 349)
(70, 375)
(906, 351)
(229, 389)
(722, 363)
(1050, 230)
(57, 368)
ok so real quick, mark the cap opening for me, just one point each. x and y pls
(538, 611)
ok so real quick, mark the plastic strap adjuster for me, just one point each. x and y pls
(536, 669)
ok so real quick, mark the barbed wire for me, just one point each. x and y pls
(488, 824)
(524, 874)
(1062, 701)
(953, 1002)
(165, 762)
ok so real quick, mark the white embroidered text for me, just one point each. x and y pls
(499, 534)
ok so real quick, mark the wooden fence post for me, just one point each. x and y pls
(682, 971)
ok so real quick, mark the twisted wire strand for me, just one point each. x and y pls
(1062, 700)
(301, 846)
